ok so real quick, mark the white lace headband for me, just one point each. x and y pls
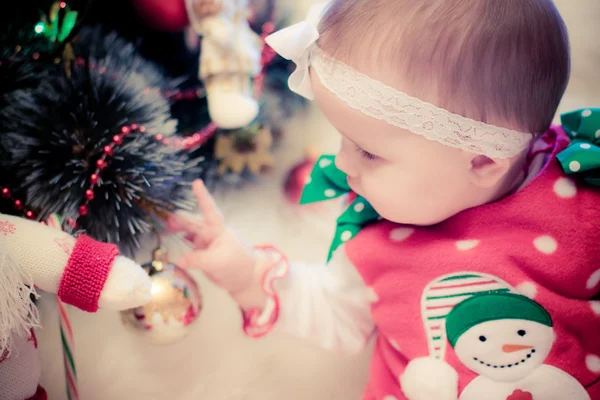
(377, 100)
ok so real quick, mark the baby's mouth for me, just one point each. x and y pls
(520, 362)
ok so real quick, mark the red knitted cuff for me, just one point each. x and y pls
(86, 273)
(258, 323)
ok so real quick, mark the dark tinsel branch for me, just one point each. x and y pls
(53, 136)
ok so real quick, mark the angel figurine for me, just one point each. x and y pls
(229, 59)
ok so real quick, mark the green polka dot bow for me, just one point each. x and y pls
(327, 182)
(583, 154)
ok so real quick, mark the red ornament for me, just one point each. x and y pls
(159, 137)
(118, 139)
(134, 127)
(18, 205)
(30, 215)
(298, 177)
(94, 179)
(89, 194)
(83, 210)
(108, 150)
(125, 130)
(169, 16)
(101, 164)
(268, 27)
(6, 193)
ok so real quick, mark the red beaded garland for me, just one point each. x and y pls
(101, 163)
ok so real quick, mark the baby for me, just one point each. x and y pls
(469, 246)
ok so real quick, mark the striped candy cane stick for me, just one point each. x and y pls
(66, 334)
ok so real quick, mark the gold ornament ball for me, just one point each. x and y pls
(175, 304)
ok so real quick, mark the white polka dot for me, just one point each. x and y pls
(372, 296)
(390, 397)
(545, 244)
(595, 304)
(400, 234)
(586, 113)
(308, 181)
(464, 245)
(585, 146)
(527, 289)
(329, 192)
(346, 235)
(394, 344)
(565, 188)
(324, 162)
(594, 280)
(574, 166)
(358, 207)
(592, 361)
(598, 134)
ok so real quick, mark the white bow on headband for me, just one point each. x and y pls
(294, 43)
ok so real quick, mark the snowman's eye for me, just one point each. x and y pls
(482, 338)
(522, 332)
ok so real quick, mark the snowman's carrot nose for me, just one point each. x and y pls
(511, 348)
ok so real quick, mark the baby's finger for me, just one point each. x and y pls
(193, 260)
(184, 223)
(209, 209)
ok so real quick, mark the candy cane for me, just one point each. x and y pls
(66, 334)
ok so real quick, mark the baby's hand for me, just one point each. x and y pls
(217, 251)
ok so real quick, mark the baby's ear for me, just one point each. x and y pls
(487, 172)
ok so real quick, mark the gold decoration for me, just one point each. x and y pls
(238, 152)
(175, 304)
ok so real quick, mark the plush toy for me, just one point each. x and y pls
(81, 271)
(229, 59)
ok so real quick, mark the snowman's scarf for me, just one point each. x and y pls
(17, 314)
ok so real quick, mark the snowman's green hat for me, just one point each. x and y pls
(492, 307)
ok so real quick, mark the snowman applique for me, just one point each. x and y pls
(505, 338)
(497, 333)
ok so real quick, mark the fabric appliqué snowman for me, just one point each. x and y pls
(502, 336)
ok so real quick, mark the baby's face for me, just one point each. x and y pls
(407, 178)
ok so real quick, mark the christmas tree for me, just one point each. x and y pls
(105, 122)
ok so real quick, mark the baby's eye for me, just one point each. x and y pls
(366, 154)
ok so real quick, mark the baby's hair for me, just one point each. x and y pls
(504, 62)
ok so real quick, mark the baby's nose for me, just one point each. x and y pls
(344, 164)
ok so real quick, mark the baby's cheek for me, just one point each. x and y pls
(398, 198)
